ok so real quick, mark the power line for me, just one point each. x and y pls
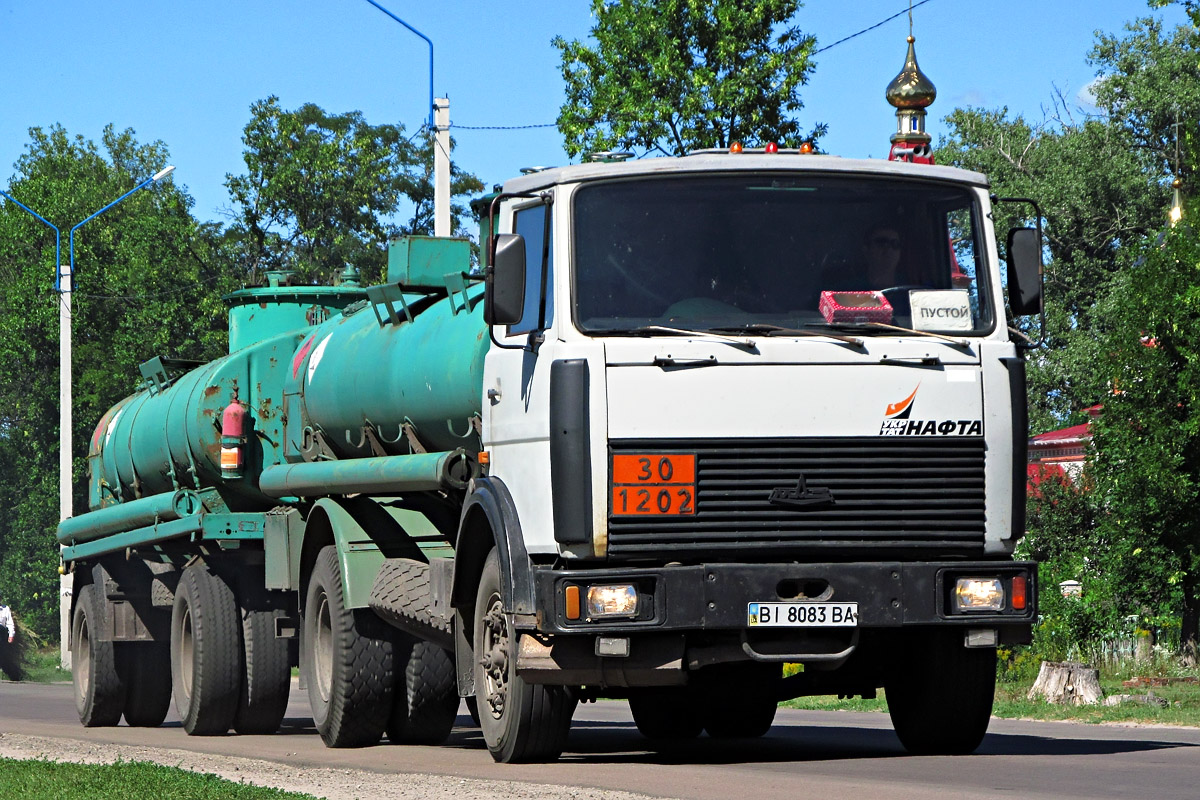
(503, 127)
(873, 27)
(843, 40)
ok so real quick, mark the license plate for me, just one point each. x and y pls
(803, 615)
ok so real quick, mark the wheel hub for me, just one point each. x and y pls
(494, 657)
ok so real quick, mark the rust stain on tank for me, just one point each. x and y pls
(209, 391)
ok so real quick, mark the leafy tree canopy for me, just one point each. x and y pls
(671, 76)
(1146, 461)
(148, 282)
(322, 190)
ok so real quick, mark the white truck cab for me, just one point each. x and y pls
(751, 410)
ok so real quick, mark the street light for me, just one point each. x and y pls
(427, 41)
(64, 457)
(64, 289)
(439, 126)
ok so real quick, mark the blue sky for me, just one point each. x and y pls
(186, 72)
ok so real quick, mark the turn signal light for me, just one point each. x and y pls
(572, 598)
(1018, 593)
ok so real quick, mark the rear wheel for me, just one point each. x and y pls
(425, 703)
(146, 672)
(206, 651)
(519, 721)
(268, 676)
(668, 713)
(740, 700)
(940, 694)
(347, 658)
(99, 692)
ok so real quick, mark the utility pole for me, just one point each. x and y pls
(441, 167)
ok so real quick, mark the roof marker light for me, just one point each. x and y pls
(735, 148)
(772, 148)
(806, 148)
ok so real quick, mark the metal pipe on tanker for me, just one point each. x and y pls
(419, 472)
(127, 516)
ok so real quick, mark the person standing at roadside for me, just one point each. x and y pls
(10, 661)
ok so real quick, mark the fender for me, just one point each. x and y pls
(489, 519)
(365, 532)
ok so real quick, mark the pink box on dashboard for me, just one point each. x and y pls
(855, 307)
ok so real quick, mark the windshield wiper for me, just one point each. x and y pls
(778, 330)
(951, 339)
(646, 330)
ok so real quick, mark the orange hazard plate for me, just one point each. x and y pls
(653, 484)
(654, 469)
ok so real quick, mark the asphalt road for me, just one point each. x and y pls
(808, 754)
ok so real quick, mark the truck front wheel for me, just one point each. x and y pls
(519, 721)
(940, 693)
(347, 658)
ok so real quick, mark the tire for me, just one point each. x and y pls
(400, 596)
(940, 696)
(747, 718)
(347, 656)
(666, 714)
(425, 698)
(519, 721)
(146, 672)
(99, 692)
(473, 709)
(267, 681)
(206, 652)
(739, 701)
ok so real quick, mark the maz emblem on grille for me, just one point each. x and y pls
(801, 496)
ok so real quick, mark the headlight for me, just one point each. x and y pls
(978, 594)
(612, 601)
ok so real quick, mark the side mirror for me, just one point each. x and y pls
(504, 296)
(1024, 271)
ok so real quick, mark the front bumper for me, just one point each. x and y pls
(715, 597)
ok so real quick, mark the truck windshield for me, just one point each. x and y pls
(736, 251)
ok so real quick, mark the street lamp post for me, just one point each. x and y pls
(64, 289)
(439, 126)
(64, 456)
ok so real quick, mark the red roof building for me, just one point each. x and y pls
(1060, 453)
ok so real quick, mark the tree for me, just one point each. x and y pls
(1090, 179)
(322, 190)
(148, 282)
(671, 76)
(1146, 462)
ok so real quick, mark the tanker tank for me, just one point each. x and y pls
(167, 436)
(397, 372)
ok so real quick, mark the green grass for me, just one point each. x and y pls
(42, 666)
(1184, 708)
(52, 780)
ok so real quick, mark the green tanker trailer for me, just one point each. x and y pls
(184, 570)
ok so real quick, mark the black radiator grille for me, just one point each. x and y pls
(889, 494)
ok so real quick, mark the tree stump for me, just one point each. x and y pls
(1067, 682)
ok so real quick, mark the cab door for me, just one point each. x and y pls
(516, 427)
